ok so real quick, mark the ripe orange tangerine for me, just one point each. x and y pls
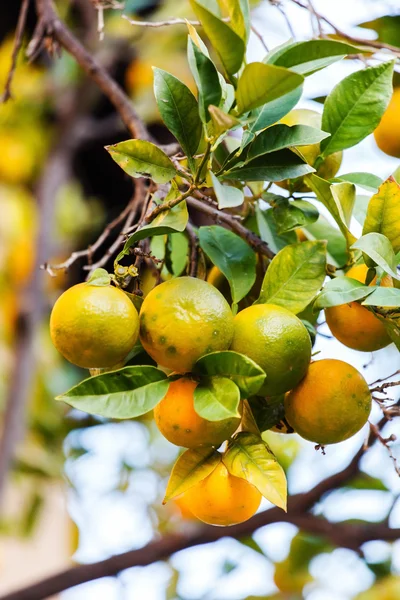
(178, 421)
(223, 499)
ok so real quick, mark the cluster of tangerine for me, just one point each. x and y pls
(185, 318)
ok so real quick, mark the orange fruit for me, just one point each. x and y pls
(222, 498)
(330, 404)
(330, 165)
(181, 320)
(387, 134)
(354, 325)
(178, 421)
(277, 341)
(181, 506)
(94, 326)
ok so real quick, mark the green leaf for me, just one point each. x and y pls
(217, 398)
(332, 197)
(230, 47)
(248, 457)
(268, 231)
(140, 158)
(273, 111)
(168, 221)
(337, 249)
(206, 77)
(268, 411)
(227, 196)
(276, 166)
(243, 371)
(295, 276)
(341, 290)
(383, 215)
(282, 136)
(260, 83)
(179, 110)
(290, 215)
(192, 466)
(379, 249)
(310, 56)
(363, 481)
(367, 181)
(232, 255)
(100, 278)
(355, 106)
(123, 394)
(360, 208)
(383, 296)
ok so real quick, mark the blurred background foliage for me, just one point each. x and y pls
(114, 474)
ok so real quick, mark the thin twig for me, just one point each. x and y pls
(19, 34)
(194, 250)
(385, 442)
(168, 205)
(166, 23)
(260, 37)
(251, 238)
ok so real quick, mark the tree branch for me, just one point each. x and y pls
(251, 238)
(19, 33)
(52, 26)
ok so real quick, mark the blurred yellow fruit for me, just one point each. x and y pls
(387, 134)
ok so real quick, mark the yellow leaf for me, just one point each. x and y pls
(192, 466)
(383, 214)
(250, 458)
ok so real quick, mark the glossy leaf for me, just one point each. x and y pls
(192, 466)
(273, 111)
(282, 136)
(217, 398)
(276, 166)
(243, 371)
(355, 106)
(331, 197)
(290, 215)
(248, 457)
(227, 196)
(367, 181)
(206, 77)
(179, 110)
(341, 290)
(386, 297)
(261, 83)
(232, 255)
(295, 276)
(140, 158)
(228, 44)
(379, 249)
(268, 231)
(383, 215)
(310, 56)
(323, 230)
(123, 394)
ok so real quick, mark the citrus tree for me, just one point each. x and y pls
(240, 238)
